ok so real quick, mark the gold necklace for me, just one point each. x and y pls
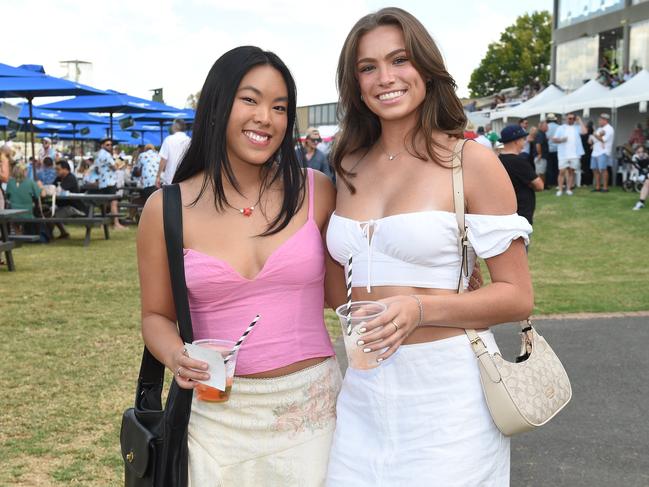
(391, 157)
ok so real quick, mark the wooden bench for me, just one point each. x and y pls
(87, 222)
(20, 239)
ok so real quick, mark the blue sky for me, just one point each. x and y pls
(137, 45)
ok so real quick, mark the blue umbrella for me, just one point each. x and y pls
(54, 127)
(40, 85)
(167, 116)
(95, 133)
(6, 70)
(111, 102)
(63, 117)
(187, 114)
(58, 116)
(34, 68)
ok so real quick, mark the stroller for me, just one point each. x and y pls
(637, 175)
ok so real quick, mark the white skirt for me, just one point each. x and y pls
(271, 432)
(419, 419)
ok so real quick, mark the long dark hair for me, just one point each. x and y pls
(208, 147)
(441, 109)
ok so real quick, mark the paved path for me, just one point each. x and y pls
(602, 437)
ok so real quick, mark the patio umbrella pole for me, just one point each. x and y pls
(74, 140)
(111, 125)
(31, 131)
(160, 133)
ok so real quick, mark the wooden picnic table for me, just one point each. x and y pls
(6, 244)
(92, 202)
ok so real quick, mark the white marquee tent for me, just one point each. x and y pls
(635, 90)
(582, 97)
(551, 94)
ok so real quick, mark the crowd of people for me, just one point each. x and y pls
(568, 152)
(23, 185)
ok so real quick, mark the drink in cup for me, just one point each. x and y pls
(211, 394)
(361, 312)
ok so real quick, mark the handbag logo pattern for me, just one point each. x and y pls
(539, 386)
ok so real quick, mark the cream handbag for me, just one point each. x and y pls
(524, 395)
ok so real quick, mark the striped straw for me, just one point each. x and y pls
(240, 340)
(349, 295)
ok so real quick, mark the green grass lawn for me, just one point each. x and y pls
(70, 318)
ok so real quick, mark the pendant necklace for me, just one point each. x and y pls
(391, 157)
(246, 211)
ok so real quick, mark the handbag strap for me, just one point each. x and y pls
(478, 346)
(152, 370)
(458, 203)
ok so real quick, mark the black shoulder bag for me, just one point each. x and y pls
(153, 440)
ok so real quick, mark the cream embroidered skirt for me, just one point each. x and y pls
(271, 432)
(419, 419)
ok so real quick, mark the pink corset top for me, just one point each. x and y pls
(288, 293)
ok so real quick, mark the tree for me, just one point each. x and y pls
(520, 57)
(192, 100)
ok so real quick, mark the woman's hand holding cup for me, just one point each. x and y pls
(187, 370)
(391, 328)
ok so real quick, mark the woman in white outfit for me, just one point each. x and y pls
(419, 418)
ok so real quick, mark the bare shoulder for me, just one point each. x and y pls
(352, 163)
(152, 211)
(324, 188)
(324, 194)
(351, 160)
(488, 189)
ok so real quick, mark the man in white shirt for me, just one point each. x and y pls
(482, 139)
(47, 150)
(600, 158)
(569, 151)
(172, 151)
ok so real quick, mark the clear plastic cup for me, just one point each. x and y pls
(211, 394)
(361, 312)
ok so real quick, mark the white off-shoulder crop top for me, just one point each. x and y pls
(418, 249)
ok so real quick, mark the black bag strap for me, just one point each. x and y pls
(151, 376)
(173, 229)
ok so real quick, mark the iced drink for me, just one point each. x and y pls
(211, 394)
(361, 312)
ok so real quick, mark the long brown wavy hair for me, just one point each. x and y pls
(441, 109)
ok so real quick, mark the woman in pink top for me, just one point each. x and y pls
(252, 232)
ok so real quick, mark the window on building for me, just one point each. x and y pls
(639, 46)
(331, 119)
(574, 11)
(610, 58)
(577, 62)
(323, 114)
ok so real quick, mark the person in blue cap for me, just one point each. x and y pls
(521, 172)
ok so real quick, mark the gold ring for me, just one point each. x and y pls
(396, 327)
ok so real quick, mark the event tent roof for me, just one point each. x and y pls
(634, 90)
(582, 97)
(551, 94)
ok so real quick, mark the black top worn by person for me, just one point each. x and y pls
(521, 174)
(69, 183)
(542, 140)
